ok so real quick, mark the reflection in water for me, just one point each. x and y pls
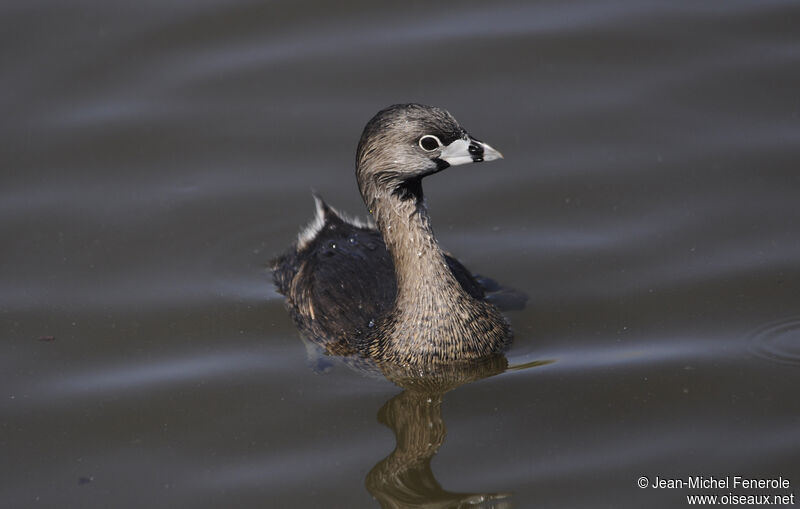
(405, 478)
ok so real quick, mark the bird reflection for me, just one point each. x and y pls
(404, 479)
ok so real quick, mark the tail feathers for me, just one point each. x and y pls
(285, 267)
(323, 214)
(323, 210)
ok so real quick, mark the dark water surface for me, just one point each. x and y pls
(155, 155)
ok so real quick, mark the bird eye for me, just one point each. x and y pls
(429, 142)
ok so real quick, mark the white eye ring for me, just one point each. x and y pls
(425, 143)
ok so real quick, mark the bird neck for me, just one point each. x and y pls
(433, 318)
(425, 281)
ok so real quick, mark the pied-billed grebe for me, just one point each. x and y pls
(392, 294)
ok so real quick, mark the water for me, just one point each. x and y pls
(155, 155)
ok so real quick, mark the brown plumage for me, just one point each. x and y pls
(391, 293)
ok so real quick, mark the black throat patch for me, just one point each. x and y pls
(410, 189)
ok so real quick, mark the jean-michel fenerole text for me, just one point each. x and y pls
(723, 482)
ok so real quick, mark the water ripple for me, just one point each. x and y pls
(778, 341)
(161, 372)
